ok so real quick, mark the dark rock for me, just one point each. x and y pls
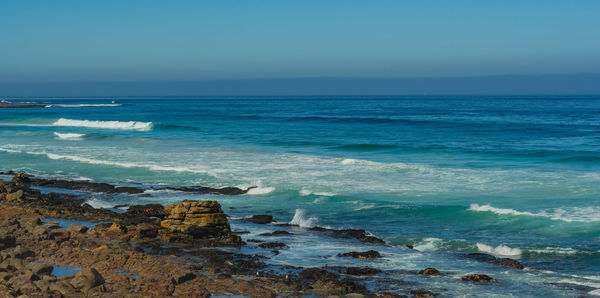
(361, 271)
(260, 219)
(371, 254)
(148, 210)
(478, 278)
(183, 277)
(272, 245)
(429, 271)
(507, 262)
(317, 274)
(87, 279)
(39, 269)
(145, 230)
(357, 234)
(7, 241)
(231, 191)
(422, 293)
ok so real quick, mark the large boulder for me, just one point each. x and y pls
(87, 279)
(201, 219)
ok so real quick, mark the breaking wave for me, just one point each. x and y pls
(566, 214)
(69, 136)
(129, 125)
(300, 219)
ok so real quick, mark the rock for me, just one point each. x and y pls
(148, 210)
(361, 271)
(7, 241)
(116, 228)
(478, 278)
(21, 178)
(20, 252)
(429, 271)
(317, 274)
(371, 254)
(357, 234)
(87, 279)
(15, 196)
(507, 262)
(145, 230)
(260, 219)
(422, 293)
(39, 269)
(276, 233)
(77, 229)
(272, 245)
(187, 216)
(182, 277)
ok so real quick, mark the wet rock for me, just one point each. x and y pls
(361, 271)
(371, 254)
(317, 273)
(7, 241)
(231, 191)
(87, 279)
(422, 293)
(507, 262)
(260, 219)
(182, 277)
(429, 271)
(21, 178)
(357, 234)
(85, 186)
(272, 245)
(182, 216)
(148, 210)
(478, 278)
(116, 228)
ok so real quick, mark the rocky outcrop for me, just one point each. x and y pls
(429, 271)
(260, 219)
(478, 278)
(506, 262)
(371, 254)
(198, 219)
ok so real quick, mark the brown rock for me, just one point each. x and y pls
(371, 254)
(478, 278)
(77, 229)
(87, 279)
(116, 228)
(190, 215)
(15, 196)
(39, 269)
(429, 271)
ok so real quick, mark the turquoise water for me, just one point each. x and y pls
(510, 176)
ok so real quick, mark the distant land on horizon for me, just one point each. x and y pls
(562, 84)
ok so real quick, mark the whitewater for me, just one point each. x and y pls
(508, 176)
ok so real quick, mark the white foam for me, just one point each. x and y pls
(349, 161)
(555, 250)
(595, 292)
(129, 125)
(567, 214)
(260, 190)
(428, 244)
(69, 136)
(9, 150)
(500, 250)
(307, 192)
(97, 203)
(300, 219)
(87, 105)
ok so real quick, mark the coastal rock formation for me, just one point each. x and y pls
(371, 254)
(478, 278)
(506, 262)
(260, 219)
(198, 219)
(429, 271)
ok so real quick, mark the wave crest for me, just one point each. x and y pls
(129, 125)
(69, 136)
(566, 214)
(300, 219)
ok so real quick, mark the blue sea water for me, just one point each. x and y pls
(515, 177)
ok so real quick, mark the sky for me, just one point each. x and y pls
(88, 41)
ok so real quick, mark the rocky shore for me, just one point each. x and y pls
(185, 249)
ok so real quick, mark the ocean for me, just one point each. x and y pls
(510, 176)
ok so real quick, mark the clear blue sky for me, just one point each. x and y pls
(199, 40)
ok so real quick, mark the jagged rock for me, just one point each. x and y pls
(478, 278)
(77, 229)
(87, 279)
(15, 196)
(371, 254)
(39, 269)
(260, 219)
(422, 293)
(429, 271)
(148, 210)
(145, 230)
(188, 215)
(361, 271)
(272, 245)
(21, 178)
(506, 262)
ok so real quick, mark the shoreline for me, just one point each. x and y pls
(182, 249)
